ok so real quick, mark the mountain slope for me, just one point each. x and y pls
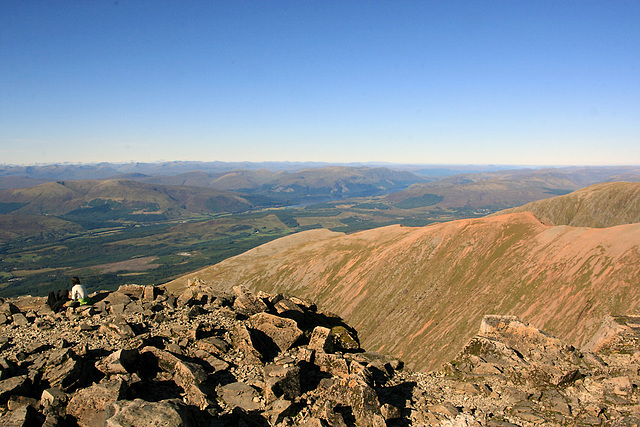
(506, 189)
(299, 186)
(600, 205)
(418, 293)
(63, 197)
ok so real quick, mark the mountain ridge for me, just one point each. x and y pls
(431, 283)
(600, 206)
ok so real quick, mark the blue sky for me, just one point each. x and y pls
(453, 82)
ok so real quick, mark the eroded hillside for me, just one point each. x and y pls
(418, 293)
(600, 205)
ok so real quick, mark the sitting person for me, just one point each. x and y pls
(79, 293)
(57, 301)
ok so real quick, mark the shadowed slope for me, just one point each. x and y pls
(600, 205)
(418, 293)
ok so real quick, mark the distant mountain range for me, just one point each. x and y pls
(510, 188)
(418, 293)
(119, 170)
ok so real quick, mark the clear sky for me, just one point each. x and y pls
(483, 82)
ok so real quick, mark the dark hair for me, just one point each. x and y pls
(75, 280)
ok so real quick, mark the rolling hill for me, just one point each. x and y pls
(504, 189)
(130, 197)
(600, 205)
(331, 182)
(418, 293)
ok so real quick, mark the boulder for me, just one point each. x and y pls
(19, 319)
(278, 410)
(118, 328)
(139, 413)
(24, 416)
(213, 345)
(321, 340)
(239, 394)
(119, 362)
(117, 298)
(12, 386)
(247, 303)
(64, 370)
(132, 291)
(53, 397)
(283, 332)
(150, 293)
(243, 341)
(89, 405)
(333, 364)
(281, 382)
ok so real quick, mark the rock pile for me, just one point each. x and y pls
(140, 356)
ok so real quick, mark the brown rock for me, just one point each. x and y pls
(244, 342)
(13, 385)
(213, 345)
(89, 405)
(19, 319)
(333, 364)
(132, 291)
(321, 340)
(118, 362)
(247, 303)
(241, 395)
(166, 413)
(281, 382)
(53, 397)
(278, 410)
(284, 332)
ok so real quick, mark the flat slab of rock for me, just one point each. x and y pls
(89, 405)
(139, 413)
(241, 395)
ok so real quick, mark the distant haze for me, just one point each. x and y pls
(455, 82)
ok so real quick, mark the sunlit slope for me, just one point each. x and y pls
(600, 205)
(419, 293)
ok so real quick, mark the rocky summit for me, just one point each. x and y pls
(141, 356)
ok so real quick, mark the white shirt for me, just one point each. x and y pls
(78, 292)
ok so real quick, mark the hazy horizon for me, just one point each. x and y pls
(432, 83)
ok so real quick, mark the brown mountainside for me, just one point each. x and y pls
(600, 205)
(418, 293)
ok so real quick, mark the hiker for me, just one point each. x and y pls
(79, 293)
(57, 300)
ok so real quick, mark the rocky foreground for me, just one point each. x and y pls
(143, 357)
